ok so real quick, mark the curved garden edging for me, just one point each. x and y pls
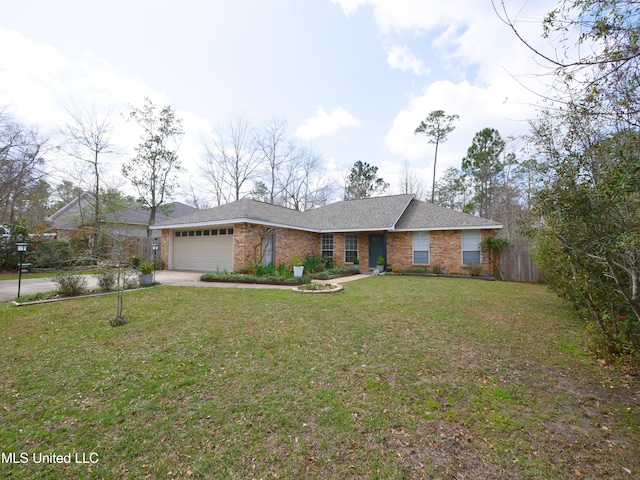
(312, 288)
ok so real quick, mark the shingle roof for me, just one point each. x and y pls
(245, 210)
(394, 212)
(427, 216)
(68, 216)
(377, 213)
(135, 215)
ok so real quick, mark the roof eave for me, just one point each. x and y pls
(231, 221)
(467, 227)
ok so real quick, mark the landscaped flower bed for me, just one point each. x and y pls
(446, 275)
(335, 272)
(436, 271)
(253, 279)
(276, 276)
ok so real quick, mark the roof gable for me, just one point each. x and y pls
(421, 215)
(375, 213)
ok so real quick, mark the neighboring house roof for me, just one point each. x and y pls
(394, 212)
(69, 216)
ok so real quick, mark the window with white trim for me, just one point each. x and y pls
(327, 245)
(421, 248)
(471, 247)
(350, 247)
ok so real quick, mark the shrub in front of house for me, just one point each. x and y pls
(474, 270)
(335, 272)
(107, 278)
(251, 278)
(69, 284)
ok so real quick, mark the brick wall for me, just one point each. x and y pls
(164, 247)
(445, 250)
(339, 250)
(248, 243)
(291, 242)
(445, 247)
(399, 249)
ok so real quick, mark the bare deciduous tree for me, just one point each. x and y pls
(281, 171)
(410, 182)
(301, 179)
(231, 160)
(276, 152)
(21, 165)
(87, 139)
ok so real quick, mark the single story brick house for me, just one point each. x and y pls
(405, 231)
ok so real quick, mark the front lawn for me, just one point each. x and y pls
(396, 377)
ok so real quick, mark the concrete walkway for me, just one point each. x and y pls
(9, 288)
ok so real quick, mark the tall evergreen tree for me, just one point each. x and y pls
(483, 165)
(437, 126)
(363, 182)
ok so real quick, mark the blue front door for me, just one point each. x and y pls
(376, 248)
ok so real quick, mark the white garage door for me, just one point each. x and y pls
(203, 250)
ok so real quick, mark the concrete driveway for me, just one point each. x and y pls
(9, 288)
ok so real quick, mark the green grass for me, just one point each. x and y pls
(5, 275)
(396, 377)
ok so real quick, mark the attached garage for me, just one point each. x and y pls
(202, 250)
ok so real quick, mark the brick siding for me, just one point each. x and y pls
(248, 239)
(445, 248)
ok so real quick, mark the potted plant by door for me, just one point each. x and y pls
(380, 264)
(298, 266)
(356, 264)
(146, 273)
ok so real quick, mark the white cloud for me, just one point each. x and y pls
(37, 84)
(477, 107)
(402, 58)
(471, 33)
(414, 15)
(467, 43)
(349, 6)
(29, 74)
(326, 123)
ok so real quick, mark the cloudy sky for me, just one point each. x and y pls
(355, 77)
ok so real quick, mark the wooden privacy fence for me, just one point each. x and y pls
(517, 265)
